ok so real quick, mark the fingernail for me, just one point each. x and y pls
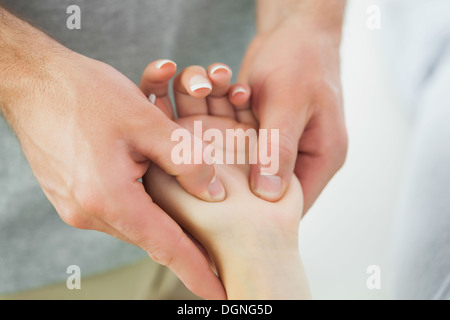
(237, 90)
(219, 67)
(163, 62)
(199, 82)
(216, 189)
(268, 186)
(152, 98)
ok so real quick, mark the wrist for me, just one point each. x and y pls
(261, 267)
(325, 16)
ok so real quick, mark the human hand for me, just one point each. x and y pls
(253, 243)
(293, 69)
(89, 135)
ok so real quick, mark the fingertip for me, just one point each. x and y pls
(152, 98)
(165, 64)
(270, 180)
(278, 143)
(216, 190)
(160, 70)
(156, 76)
(199, 86)
(239, 96)
(200, 181)
(164, 68)
(218, 71)
(213, 192)
(268, 187)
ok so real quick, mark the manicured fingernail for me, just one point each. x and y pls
(238, 90)
(161, 63)
(219, 68)
(216, 189)
(268, 186)
(152, 98)
(199, 82)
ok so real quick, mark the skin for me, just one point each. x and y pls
(253, 243)
(297, 90)
(81, 123)
(89, 134)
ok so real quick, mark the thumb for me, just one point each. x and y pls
(280, 130)
(176, 151)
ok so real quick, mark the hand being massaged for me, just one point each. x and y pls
(252, 243)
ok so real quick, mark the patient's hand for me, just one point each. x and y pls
(253, 243)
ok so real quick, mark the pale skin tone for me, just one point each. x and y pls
(85, 128)
(253, 243)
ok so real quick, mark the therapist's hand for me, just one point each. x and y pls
(89, 135)
(293, 69)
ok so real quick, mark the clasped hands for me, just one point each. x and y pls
(250, 242)
(90, 134)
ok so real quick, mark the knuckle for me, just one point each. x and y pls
(161, 254)
(90, 203)
(75, 218)
(88, 198)
(80, 202)
(161, 258)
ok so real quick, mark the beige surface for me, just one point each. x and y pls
(144, 280)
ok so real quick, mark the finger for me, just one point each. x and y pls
(218, 103)
(191, 87)
(146, 224)
(314, 172)
(180, 154)
(239, 96)
(155, 84)
(322, 152)
(279, 135)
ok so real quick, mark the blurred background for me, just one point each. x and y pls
(350, 226)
